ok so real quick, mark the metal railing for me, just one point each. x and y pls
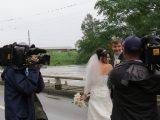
(58, 84)
(63, 77)
(57, 79)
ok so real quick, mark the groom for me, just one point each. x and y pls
(117, 50)
(117, 57)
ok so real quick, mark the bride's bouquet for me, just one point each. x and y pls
(79, 101)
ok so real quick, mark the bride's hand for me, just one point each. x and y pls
(83, 97)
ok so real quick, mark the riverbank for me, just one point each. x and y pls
(59, 58)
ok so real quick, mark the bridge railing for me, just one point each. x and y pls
(58, 84)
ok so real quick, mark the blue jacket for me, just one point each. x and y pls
(19, 90)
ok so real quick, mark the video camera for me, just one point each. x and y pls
(19, 55)
(151, 52)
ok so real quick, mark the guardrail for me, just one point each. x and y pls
(58, 84)
(63, 77)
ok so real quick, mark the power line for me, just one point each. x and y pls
(11, 20)
(38, 14)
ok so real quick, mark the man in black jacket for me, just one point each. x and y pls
(135, 88)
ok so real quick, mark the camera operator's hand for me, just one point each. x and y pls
(34, 58)
(33, 62)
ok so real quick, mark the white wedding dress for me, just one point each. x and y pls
(100, 104)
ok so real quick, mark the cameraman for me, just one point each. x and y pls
(20, 88)
(135, 87)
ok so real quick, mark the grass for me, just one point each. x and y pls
(63, 58)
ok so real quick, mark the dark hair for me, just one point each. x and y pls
(102, 53)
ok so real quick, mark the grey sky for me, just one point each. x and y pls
(51, 23)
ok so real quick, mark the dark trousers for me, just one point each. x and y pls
(39, 111)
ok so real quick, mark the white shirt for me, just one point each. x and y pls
(116, 60)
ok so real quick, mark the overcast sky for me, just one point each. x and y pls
(52, 23)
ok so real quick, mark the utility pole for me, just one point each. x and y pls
(29, 38)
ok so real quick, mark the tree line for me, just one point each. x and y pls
(119, 18)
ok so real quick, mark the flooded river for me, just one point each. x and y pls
(69, 70)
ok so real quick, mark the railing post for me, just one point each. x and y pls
(58, 85)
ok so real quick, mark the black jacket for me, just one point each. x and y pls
(135, 90)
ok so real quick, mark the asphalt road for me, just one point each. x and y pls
(56, 107)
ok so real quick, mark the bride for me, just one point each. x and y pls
(98, 68)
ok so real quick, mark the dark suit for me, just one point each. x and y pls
(120, 57)
(109, 84)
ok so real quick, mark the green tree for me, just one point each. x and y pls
(120, 18)
(93, 38)
(125, 17)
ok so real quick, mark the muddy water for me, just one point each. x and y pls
(69, 70)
